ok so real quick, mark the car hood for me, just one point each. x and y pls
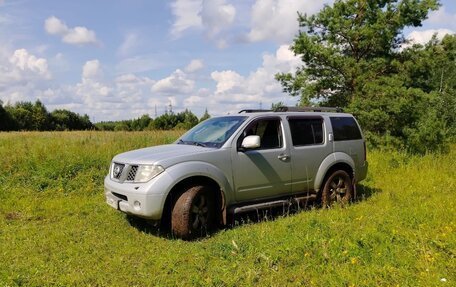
(159, 154)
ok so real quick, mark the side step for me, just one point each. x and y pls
(277, 203)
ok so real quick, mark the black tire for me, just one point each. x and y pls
(338, 188)
(193, 213)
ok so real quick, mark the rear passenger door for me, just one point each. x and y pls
(309, 147)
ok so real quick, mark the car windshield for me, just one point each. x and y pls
(213, 132)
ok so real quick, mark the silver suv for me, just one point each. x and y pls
(236, 163)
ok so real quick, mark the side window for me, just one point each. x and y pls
(345, 128)
(306, 131)
(269, 130)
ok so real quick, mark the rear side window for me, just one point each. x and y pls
(305, 131)
(345, 128)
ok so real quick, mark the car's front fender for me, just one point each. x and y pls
(189, 169)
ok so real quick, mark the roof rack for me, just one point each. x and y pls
(253, 111)
(295, 109)
(309, 109)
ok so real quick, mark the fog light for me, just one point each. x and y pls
(137, 205)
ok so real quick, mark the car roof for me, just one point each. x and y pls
(272, 113)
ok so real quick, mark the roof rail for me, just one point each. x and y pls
(309, 109)
(253, 111)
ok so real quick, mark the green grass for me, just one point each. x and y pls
(55, 228)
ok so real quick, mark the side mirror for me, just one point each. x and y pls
(251, 142)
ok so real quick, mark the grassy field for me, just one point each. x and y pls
(55, 228)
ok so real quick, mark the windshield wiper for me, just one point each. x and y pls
(180, 141)
(199, 144)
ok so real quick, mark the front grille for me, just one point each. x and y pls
(117, 170)
(132, 173)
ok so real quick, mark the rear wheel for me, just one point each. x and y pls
(338, 188)
(193, 214)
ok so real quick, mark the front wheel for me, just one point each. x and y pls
(193, 214)
(338, 188)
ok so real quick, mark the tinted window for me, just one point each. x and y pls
(345, 128)
(306, 131)
(269, 130)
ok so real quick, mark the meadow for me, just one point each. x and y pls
(56, 230)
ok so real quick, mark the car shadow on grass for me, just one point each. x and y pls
(148, 227)
(363, 193)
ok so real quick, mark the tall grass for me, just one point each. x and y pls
(55, 228)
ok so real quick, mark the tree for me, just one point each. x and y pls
(6, 122)
(205, 116)
(67, 120)
(353, 59)
(277, 106)
(22, 115)
(349, 44)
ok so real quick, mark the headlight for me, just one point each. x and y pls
(147, 172)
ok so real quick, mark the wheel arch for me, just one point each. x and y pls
(331, 163)
(210, 177)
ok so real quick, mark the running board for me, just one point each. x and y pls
(258, 206)
(270, 204)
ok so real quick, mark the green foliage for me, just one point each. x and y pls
(183, 120)
(353, 59)
(6, 122)
(66, 120)
(276, 106)
(348, 44)
(26, 116)
(139, 124)
(56, 229)
(205, 116)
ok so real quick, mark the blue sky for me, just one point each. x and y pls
(119, 60)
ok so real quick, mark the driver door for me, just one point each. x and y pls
(264, 171)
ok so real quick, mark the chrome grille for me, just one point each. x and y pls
(117, 170)
(132, 173)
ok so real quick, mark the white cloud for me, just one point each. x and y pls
(80, 36)
(129, 95)
(186, 13)
(130, 42)
(54, 26)
(211, 16)
(216, 16)
(92, 70)
(26, 62)
(277, 19)
(194, 65)
(177, 83)
(22, 75)
(75, 36)
(226, 80)
(422, 37)
(139, 64)
(236, 92)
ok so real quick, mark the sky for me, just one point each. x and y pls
(116, 60)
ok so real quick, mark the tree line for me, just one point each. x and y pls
(355, 57)
(168, 121)
(28, 116)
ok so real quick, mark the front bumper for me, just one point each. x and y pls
(136, 199)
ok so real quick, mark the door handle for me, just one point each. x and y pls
(283, 157)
